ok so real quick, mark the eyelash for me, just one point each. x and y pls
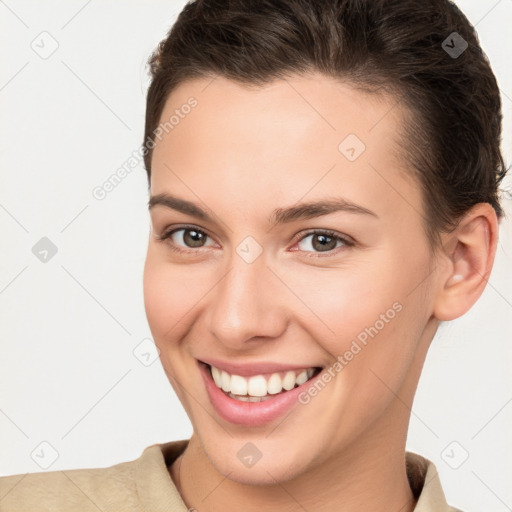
(347, 243)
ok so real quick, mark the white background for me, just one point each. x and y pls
(68, 375)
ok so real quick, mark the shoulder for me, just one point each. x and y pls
(75, 489)
(123, 486)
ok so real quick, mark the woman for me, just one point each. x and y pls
(323, 183)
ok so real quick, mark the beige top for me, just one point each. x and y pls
(145, 485)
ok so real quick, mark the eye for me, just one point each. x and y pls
(323, 241)
(190, 236)
(320, 241)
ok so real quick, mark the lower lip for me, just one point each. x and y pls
(250, 414)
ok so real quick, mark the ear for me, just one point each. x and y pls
(466, 258)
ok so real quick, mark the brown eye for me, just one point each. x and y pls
(185, 238)
(193, 237)
(322, 241)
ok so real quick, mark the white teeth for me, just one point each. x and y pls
(289, 381)
(274, 384)
(302, 377)
(225, 381)
(216, 376)
(238, 385)
(257, 388)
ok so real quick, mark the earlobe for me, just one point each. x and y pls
(469, 255)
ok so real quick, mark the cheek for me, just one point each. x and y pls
(375, 326)
(166, 303)
(165, 296)
(367, 315)
(347, 299)
(175, 296)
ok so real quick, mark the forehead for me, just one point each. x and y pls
(281, 141)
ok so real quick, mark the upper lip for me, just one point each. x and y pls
(256, 368)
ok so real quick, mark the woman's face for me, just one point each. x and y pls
(249, 288)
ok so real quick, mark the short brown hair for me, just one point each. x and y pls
(452, 139)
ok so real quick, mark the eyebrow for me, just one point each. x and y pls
(279, 215)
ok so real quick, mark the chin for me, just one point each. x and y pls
(271, 462)
(268, 473)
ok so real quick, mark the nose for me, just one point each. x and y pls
(248, 304)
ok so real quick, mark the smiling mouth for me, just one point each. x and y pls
(261, 387)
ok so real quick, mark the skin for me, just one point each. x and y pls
(241, 153)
